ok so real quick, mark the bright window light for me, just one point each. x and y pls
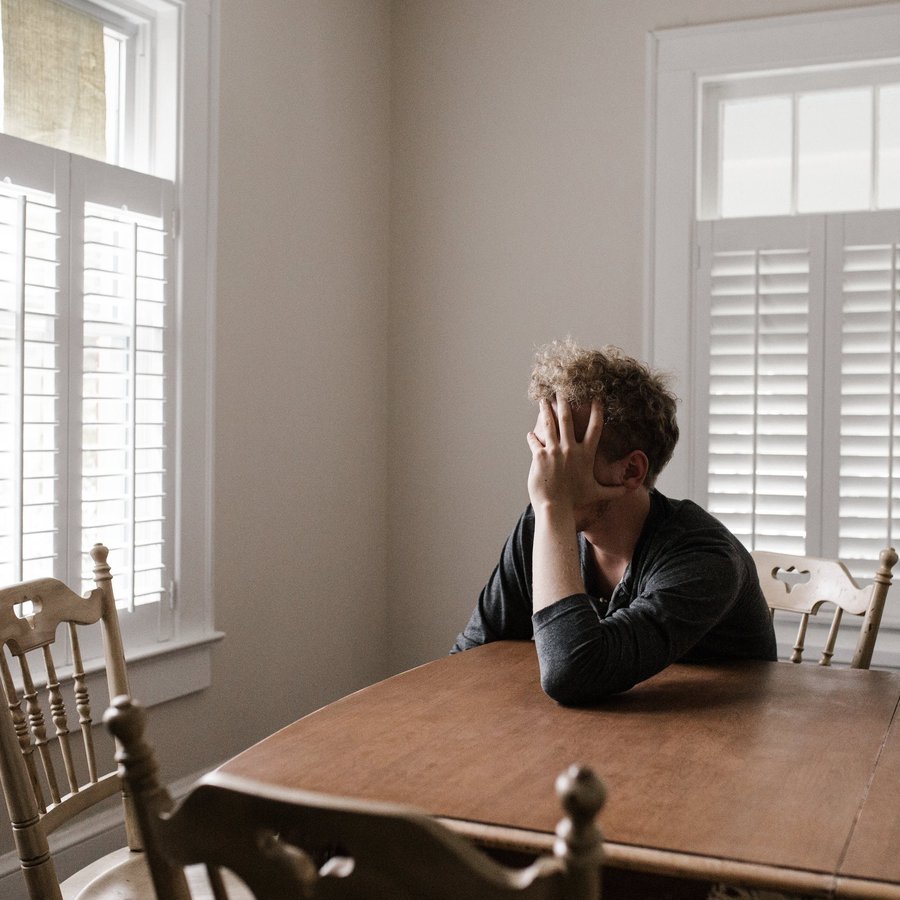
(834, 150)
(756, 157)
(889, 146)
(796, 142)
(78, 77)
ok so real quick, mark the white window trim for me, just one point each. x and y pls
(195, 217)
(677, 61)
(196, 230)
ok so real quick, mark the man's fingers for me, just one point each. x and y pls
(534, 441)
(594, 428)
(547, 421)
(566, 425)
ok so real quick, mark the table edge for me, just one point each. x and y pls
(685, 865)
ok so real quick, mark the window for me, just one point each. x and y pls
(769, 145)
(780, 301)
(98, 308)
(774, 268)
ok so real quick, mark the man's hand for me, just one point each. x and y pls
(562, 467)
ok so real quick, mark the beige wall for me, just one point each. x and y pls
(300, 466)
(517, 216)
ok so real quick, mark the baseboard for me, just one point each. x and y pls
(88, 838)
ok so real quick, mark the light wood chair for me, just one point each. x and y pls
(803, 584)
(288, 843)
(48, 764)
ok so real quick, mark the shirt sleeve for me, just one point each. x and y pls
(585, 657)
(503, 611)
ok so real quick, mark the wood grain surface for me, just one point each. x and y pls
(874, 850)
(755, 762)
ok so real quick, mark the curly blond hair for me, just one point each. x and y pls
(638, 407)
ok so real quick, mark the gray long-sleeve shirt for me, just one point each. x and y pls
(690, 594)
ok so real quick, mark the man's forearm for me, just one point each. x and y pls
(556, 567)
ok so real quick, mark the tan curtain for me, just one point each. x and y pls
(55, 82)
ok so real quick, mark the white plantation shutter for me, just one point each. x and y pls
(86, 352)
(756, 361)
(797, 355)
(32, 354)
(863, 287)
(126, 351)
(123, 442)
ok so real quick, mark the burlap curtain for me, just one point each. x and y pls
(55, 83)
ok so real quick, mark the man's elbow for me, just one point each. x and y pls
(564, 686)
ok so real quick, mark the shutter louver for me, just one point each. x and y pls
(869, 488)
(803, 389)
(124, 397)
(29, 384)
(758, 395)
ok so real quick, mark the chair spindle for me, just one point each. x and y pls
(38, 727)
(82, 703)
(60, 720)
(862, 656)
(828, 649)
(21, 726)
(799, 644)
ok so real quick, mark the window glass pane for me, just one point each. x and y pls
(54, 76)
(756, 157)
(889, 146)
(834, 150)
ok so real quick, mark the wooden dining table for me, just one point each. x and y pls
(760, 774)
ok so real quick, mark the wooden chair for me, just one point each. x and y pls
(48, 764)
(802, 584)
(288, 843)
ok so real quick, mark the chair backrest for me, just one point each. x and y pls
(290, 843)
(48, 764)
(803, 584)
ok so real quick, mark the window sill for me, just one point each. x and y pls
(157, 672)
(165, 671)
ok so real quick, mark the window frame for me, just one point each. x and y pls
(678, 60)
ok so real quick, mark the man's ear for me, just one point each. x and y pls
(636, 467)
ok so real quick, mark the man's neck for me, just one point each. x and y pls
(614, 535)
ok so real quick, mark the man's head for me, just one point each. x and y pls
(638, 407)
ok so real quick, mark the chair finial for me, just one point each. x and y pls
(99, 554)
(126, 719)
(578, 839)
(581, 792)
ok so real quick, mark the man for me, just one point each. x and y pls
(613, 580)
